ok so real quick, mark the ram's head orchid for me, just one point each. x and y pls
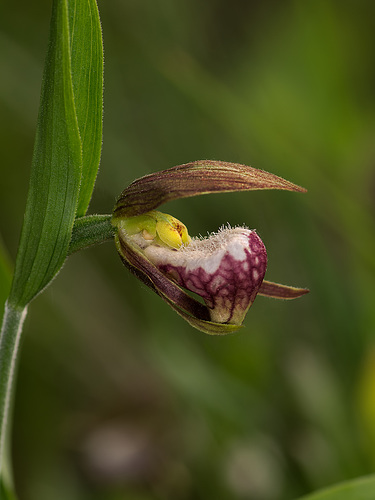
(225, 269)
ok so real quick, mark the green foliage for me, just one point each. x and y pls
(67, 146)
(359, 489)
(86, 59)
(55, 174)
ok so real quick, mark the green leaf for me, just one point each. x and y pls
(358, 489)
(64, 167)
(87, 72)
(55, 172)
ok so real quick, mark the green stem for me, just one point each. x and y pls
(90, 230)
(87, 231)
(9, 347)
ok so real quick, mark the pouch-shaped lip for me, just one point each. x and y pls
(193, 311)
(191, 179)
(226, 269)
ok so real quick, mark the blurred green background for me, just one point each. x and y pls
(117, 397)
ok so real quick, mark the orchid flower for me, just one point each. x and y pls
(225, 269)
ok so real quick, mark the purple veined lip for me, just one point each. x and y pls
(225, 269)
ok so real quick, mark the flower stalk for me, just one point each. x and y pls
(90, 230)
